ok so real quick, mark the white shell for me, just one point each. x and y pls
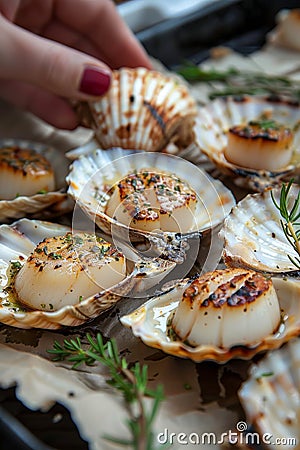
(150, 323)
(253, 236)
(50, 204)
(215, 119)
(100, 170)
(18, 240)
(142, 110)
(271, 397)
(286, 33)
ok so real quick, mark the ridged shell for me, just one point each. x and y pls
(271, 397)
(50, 204)
(215, 119)
(18, 240)
(150, 323)
(253, 236)
(92, 175)
(142, 110)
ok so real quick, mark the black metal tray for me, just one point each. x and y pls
(239, 24)
(23, 429)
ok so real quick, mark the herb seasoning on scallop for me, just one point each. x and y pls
(65, 270)
(24, 172)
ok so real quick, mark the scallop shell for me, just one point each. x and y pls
(18, 240)
(253, 235)
(50, 203)
(92, 176)
(271, 397)
(286, 33)
(215, 119)
(142, 110)
(150, 323)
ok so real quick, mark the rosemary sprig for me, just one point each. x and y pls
(290, 219)
(191, 72)
(130, 381)
(236, 82)
(265, 124)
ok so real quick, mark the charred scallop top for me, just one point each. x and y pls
(240, 289)
(170, 192)
(268, 130)
(26, 160)
(81, 248)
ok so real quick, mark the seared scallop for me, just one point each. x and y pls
(227, 308)
(268, 153)
(258, 145)
(64, 270)
(149, 201)
(24, 172)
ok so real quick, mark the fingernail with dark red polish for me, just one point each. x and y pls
(94, 81)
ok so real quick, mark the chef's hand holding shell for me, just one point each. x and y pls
(41, 71)
(142, 110)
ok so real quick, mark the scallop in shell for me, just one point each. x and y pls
(47, 196)
(94, 178)
(271, 399)
(154, 322)
(218, 117)
(253, 235)
(142, 110)
(24, 248)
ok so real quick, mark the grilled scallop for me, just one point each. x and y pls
(149, 201)
(259, 145)
(219, 116)
(64, 270)
(227, 308)
(24, 172)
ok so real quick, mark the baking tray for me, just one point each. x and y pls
(240, 25)
(141, 14)
(23, 429)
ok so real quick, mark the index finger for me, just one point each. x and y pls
(100, 21)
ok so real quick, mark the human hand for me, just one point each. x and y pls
(52, 51)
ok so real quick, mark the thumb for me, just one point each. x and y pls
(49, 65)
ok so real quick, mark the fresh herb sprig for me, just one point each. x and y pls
(265, 124)
(290, 219)
(235, 82)
(130, 381)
